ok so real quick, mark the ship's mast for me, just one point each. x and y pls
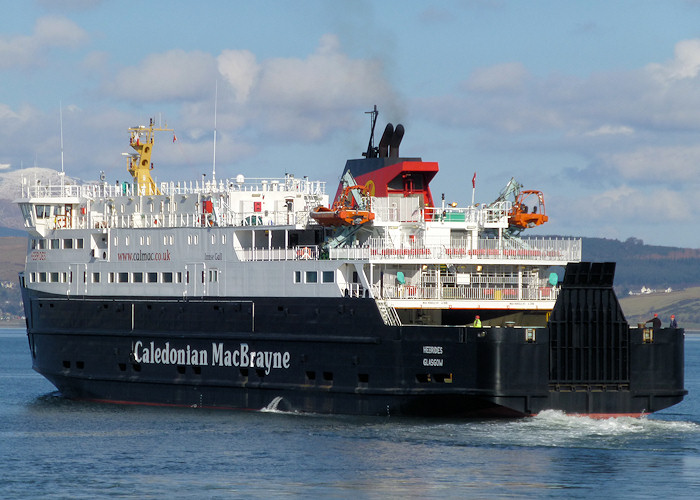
(140, 165)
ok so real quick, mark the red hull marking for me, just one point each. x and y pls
(603, 416)
(167, 405)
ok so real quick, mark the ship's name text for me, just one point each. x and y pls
(434, 350)
(243, 356)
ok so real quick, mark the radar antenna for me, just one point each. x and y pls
(372, 152)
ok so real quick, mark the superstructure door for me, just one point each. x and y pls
(195, 279)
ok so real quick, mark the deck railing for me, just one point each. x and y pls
(542, 293)
(544, 249)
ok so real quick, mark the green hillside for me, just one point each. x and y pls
(685, 304)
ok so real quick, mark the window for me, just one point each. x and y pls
(43, 211)
(33, 244)
(141, 240)
(32, 277)
(79, 243)
(178, 277)
(137, 278)
(42, 244)
(53, 277)
(328, 276)
(126, 240)
(55, 244)
(152, 277)
(297, 276)
(67, 243)
(123, 277)
(223, 239)
(213, 239)
(311, 277)
(167, 277)
(111, 277)
(95, 277)
(213, 275)
(42, 277)
(116, 241)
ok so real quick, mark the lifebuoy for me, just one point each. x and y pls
(304, 253)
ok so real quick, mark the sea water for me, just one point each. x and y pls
(51, 447)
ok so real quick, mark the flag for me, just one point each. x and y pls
(174, 138)
(474, 181)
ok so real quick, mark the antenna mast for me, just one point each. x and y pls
(60, 115)
(216, 99)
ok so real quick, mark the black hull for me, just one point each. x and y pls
(338, 356)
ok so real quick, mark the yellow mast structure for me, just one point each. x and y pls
(139, 164)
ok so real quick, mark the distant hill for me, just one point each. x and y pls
(7, 231)
(651, 266)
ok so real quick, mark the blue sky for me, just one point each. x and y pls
(596, 103)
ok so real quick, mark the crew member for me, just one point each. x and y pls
(655, 322)
(674, 323)
(477, 322)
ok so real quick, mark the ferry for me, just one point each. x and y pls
(251, 293)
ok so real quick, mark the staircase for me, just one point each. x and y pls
(388, 313)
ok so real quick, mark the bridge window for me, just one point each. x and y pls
(328, 276)
(43, 211)
(152, 277)
(311, 277)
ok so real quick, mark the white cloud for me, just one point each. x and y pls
(684, 65)
(610, 130)
(301, 98)
(656, 163)
(634, 206)
(241, 70)
(501, 77)
(4, 166)
(168, 76)
(30, 50)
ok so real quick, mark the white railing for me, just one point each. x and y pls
(544, 293)
(104, 190)
(276, 254)
(139, 220)
(545, 249)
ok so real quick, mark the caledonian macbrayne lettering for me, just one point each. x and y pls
(242, 357)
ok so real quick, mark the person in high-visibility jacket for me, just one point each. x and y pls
(477, 322)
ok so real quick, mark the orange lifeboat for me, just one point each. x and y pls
(344, 211)
(528, 210)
